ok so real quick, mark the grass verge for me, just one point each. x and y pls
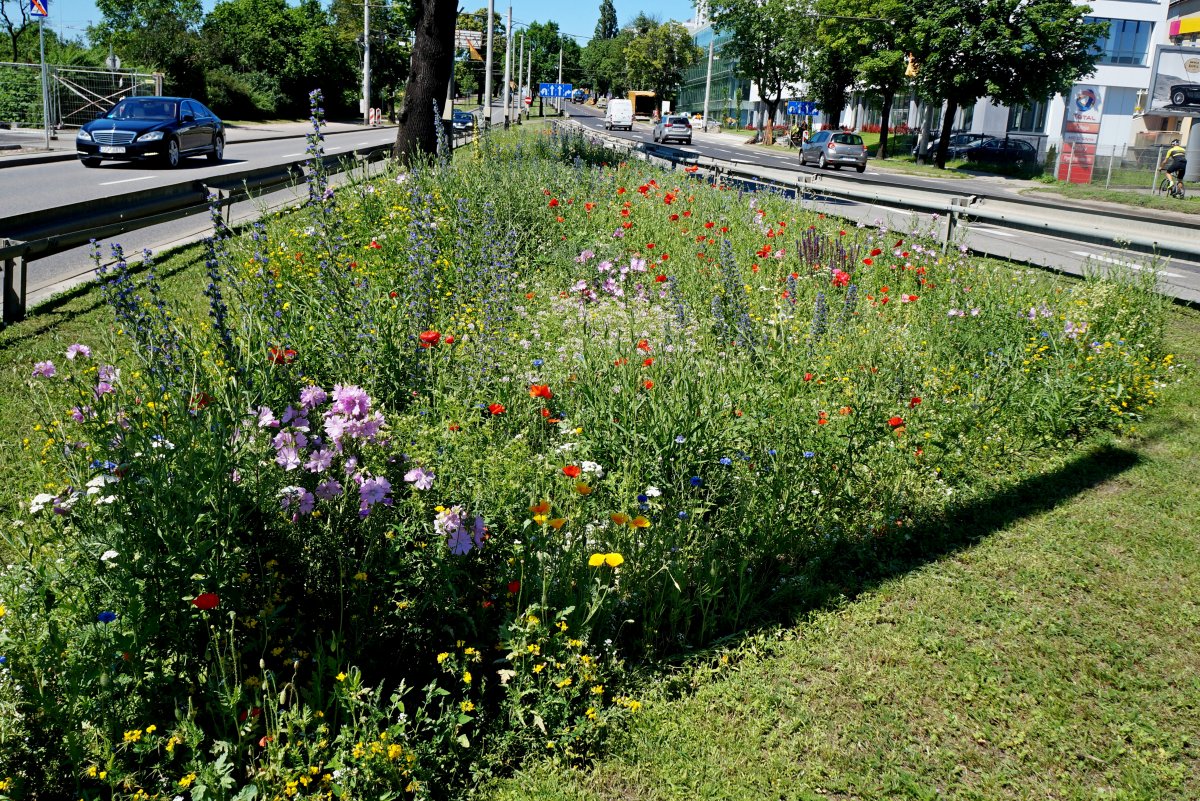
(1052, 651)
(1127, 197)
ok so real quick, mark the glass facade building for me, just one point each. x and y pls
(727, 91)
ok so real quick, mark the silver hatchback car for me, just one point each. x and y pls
(673, 126)
(834, 149)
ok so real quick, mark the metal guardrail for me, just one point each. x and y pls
(1024, 216)
(27, 237)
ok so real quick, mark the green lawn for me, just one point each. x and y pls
(1051, 650)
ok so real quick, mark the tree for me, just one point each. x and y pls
(768, 37)
(657, 58)
(829, 73)
(606, 26)
(1014, 51)
(158, 35)
(428, 76)
(14, 16)
(869, 35)
(603, 62)
(544, 41)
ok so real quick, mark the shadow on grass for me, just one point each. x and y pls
(855, 567)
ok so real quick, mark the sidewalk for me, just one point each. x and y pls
(33, 151)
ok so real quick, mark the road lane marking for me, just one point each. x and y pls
(127, 180)
(292, 155)
(984, 228)
(1119, 263)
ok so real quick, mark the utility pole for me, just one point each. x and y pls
(529, 83)
(366, 84)
(508, 40)
(45, 80)
(487, 75)
(520, 69)
(560, 100)
(712, 36)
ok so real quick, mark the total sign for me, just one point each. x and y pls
(1081, 131)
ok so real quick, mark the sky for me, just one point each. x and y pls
(70, 18)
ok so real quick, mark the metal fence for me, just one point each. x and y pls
(1112, 167)
(77, 94)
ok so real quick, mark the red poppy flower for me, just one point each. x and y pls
(875, 251)
(429, 338)
(540, 391)
(553, 202)
(868, 261)
(200, 400)
(841, 278)
(660, 278)
(514, 587)
(454, 427)
(207, 600)
(589, 206)
(643, 345)
(808, 376)
(687, 214)
(571, 471)
(883, 289)
(648, 384)
(375, 245)
(896, 422)
(914, 402)
(709, 224)
(392, 294)
(620, 362)
(496, 408)
(282, 355)
(649, 246)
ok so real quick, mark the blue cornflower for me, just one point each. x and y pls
(643, 499)
(538, 362)
(696, 481)
(771, 452)
(683, 515)
(106, 616)
(725, 460)
(809, 454)
(679, 440)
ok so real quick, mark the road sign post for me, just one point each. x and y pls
(555, 90)
(41, 10)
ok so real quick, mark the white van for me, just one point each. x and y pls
(619, 114)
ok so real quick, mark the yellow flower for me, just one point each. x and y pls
(394, 751)
(133, 735)
(532, 620)
(557, 523)
(466, 677)
(467, 706)
(583, 489)
(151, 729)
(340, 677)
(620, 518)
(538, 668)
(92, 771)
(595, 560)
(360, 576)
(614, 559)
(540, 519)
(598, 689)
(564, 683)
(639, 522)
(591, 713)
(187, 780)
(3, 610)
(442, 657)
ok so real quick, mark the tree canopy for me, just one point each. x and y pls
(657, 58)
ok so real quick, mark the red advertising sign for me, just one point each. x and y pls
(1081, 130)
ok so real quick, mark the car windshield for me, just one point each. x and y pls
(143, 110)
(847, 139)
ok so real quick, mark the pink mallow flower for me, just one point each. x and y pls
(78, 350)
(44, 370)
(419, 478)
(371, 492)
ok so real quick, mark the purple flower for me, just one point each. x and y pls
(287, 458)
(106, 616)
(320, 461)
(312, 396)
(78, 350)
(328, 490)
(289, 439)
(448, 523)
(373, 491)
(44, 370)
(108, 373)
(479, 529)
(351, 401)
(419, 478)
(266, 418)
(104, 388)
(298, 496)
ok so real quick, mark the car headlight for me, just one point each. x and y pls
(83, 136)
(153, 136)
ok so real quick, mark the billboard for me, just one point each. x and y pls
(1175, 82)
(1081, 131)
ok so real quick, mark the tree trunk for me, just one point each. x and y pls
(769, 131)
(888, 97)
(429, 73)
(947, 125)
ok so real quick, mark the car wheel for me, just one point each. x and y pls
(822, 163)
(90, 162)
(863, 168)
(1179, 98)
(687, 141)
(218, 150)
(173, 156)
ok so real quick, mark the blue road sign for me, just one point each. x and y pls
(39, 8)
(804, 108)
(554, 90)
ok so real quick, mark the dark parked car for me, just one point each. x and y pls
(833, 149)
(958, 143)
(463, 122)
(1002, 151)
(1185, 94)
(162, 128)
(673, 126)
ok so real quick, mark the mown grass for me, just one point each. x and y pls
(1050, 650)
(1127, 197)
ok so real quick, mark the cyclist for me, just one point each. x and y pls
(1174, 163)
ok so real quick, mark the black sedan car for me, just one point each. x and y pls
(166, 129)
(1185, 94)
(1002, 151)
(462, 122)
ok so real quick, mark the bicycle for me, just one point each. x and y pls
(1171, 188)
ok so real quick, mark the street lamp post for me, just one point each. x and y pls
(712, 36)
(487, 74)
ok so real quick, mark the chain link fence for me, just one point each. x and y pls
(1124, 166)
(77, 94)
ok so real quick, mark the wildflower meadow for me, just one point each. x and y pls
(439, 458)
